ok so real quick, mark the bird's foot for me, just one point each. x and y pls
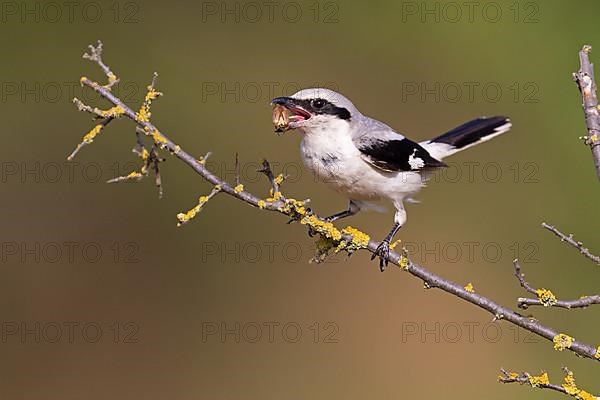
(383, 252)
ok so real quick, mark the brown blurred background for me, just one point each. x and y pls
(104, 297)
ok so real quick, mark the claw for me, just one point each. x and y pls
(383, 252)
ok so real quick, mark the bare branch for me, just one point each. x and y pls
(348, 239)
(570, 240)
(521, 277)
(587, 86)
(95, 55)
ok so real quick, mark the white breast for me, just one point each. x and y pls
(334, 160)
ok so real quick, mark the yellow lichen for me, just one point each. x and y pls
(262, 204)
(562, 342)
(187, 216)
(546, 297)
(113, 112)
(112, 77)
(324, 228)
(144, 113)
(537, 381)
(572, 389)
(134, 175)
(583, 395)
(294, 208)
(512, 375)
(593, 138)
(396, 243)
(469, 288)
(360, 240)
(279, 179)
(89, 137)
(239, 188)
(569, 384)
(323, 246)
(542, 381)
(82, 80)
(404, 262)
(275, 196)
(159, 138)
(597, 355)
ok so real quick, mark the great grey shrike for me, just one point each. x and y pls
(364, 159)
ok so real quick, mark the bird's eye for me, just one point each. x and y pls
(318, 103)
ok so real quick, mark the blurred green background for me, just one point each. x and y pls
(160, 312)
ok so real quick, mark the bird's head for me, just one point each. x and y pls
(311, 110)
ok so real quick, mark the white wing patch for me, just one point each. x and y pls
(415, 162)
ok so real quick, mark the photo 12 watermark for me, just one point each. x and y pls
(269, 332)
(453, 12)
(68, 252)
(470, 92)
(255, 92)
(450, 252)
(253, 12)
(63, 172)
(452, 332)
(52, 92)
(69, 12)
(68, 332)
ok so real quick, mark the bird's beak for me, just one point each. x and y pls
(288, 114)
(283, 101)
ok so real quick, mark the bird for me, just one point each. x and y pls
(364, 159)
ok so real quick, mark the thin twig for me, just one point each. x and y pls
(521, 277)
(587, 86)
(237, 169)
(570, 240)
(90, 136)
(95, 55)
(524, 378)
(568, 387)
(546, 298)
(583, 302)
(275, 187)
(281, 205)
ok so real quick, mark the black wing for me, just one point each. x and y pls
(396, 154)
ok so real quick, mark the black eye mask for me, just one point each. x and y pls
(327, 108)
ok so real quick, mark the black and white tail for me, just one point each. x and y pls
(469, 134)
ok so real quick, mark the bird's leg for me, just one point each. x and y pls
(383, 250)
(353, 208)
